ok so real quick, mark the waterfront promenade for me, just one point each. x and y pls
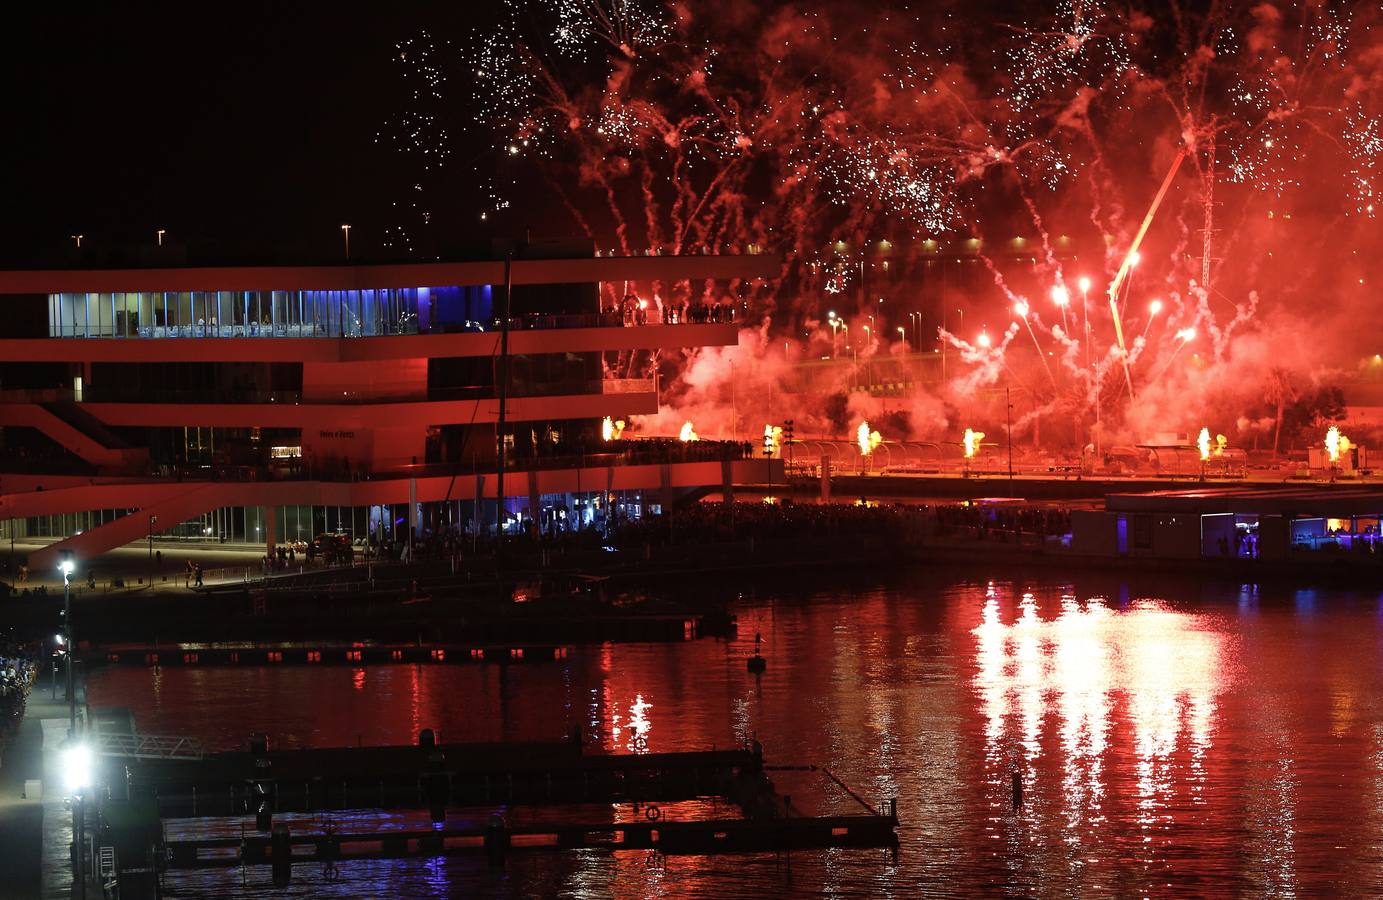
(35, 831)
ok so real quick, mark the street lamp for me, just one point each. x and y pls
(78, 764)
(903, 336)
(346, 230)
(78, 239)
(159, 235)
(66, 567)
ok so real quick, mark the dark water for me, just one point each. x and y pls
(1171, 739)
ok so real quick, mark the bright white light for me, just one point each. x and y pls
(1059, 295)
(77, 765)
(1084, 283)
(1135, 258)
(1020, 309)
(66, 567)
(1155, 307)
(983, 339)
(58, 639)
(1187, 334)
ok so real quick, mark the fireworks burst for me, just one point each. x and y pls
(815, 130)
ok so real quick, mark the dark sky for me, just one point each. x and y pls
(248, 134)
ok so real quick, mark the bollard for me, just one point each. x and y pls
(427, 738)
(496, 840)
(282, 856)
(436, 790)
(757, 664)
(1017, 789)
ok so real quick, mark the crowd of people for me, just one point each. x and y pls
(634, 310)
(17, 672)
(715, 522)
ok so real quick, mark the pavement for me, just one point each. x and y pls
(131, 564)
(35, 832)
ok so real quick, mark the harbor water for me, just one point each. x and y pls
(1169, 737)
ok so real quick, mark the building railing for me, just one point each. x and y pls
(400, 392)
(333, 329)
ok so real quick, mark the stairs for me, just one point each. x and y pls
(76, 430)
(171, 510)
(85, 422)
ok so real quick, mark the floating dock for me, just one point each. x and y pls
(247, 789)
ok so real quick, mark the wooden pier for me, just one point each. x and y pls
(248, 789)
(708, 836)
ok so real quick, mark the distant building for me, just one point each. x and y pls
(268, 404)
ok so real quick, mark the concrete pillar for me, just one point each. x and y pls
(269, 514)
(727, 481)
(665, 483)
(413, 507)
(535, 502)
(825, 477)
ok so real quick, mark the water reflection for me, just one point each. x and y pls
(1222, 743)
(1084, 665)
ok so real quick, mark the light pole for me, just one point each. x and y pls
(66, 567)
(78, 239)
(153, 520)
(903, 336)
(346, 230)
(159, 235)
(1009, 404)
(78, 762)
(1085, 323)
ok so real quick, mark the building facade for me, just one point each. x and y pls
(271, 404)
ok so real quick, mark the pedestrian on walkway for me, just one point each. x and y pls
(199, 575)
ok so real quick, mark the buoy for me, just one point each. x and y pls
(757, 663)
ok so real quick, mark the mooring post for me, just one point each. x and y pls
(496, 840)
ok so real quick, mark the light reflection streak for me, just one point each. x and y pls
(1082, 674)
(1163, 667)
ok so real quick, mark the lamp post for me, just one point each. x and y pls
(1085, 325)
(158, 235)
(346, 231)
(66, 567)
(78, 762)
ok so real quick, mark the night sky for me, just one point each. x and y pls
(246, 136)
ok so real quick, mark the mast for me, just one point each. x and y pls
(500, 425)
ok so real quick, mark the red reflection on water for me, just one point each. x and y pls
(1157, 669)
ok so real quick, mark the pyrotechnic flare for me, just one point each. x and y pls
(867, 440)
(972, 442)
(1062, 297)
(611, 429)
(1203, 443)
(1335, 444)
(687, 433)
(773, 439)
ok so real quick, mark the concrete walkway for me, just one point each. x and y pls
(35, 831)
